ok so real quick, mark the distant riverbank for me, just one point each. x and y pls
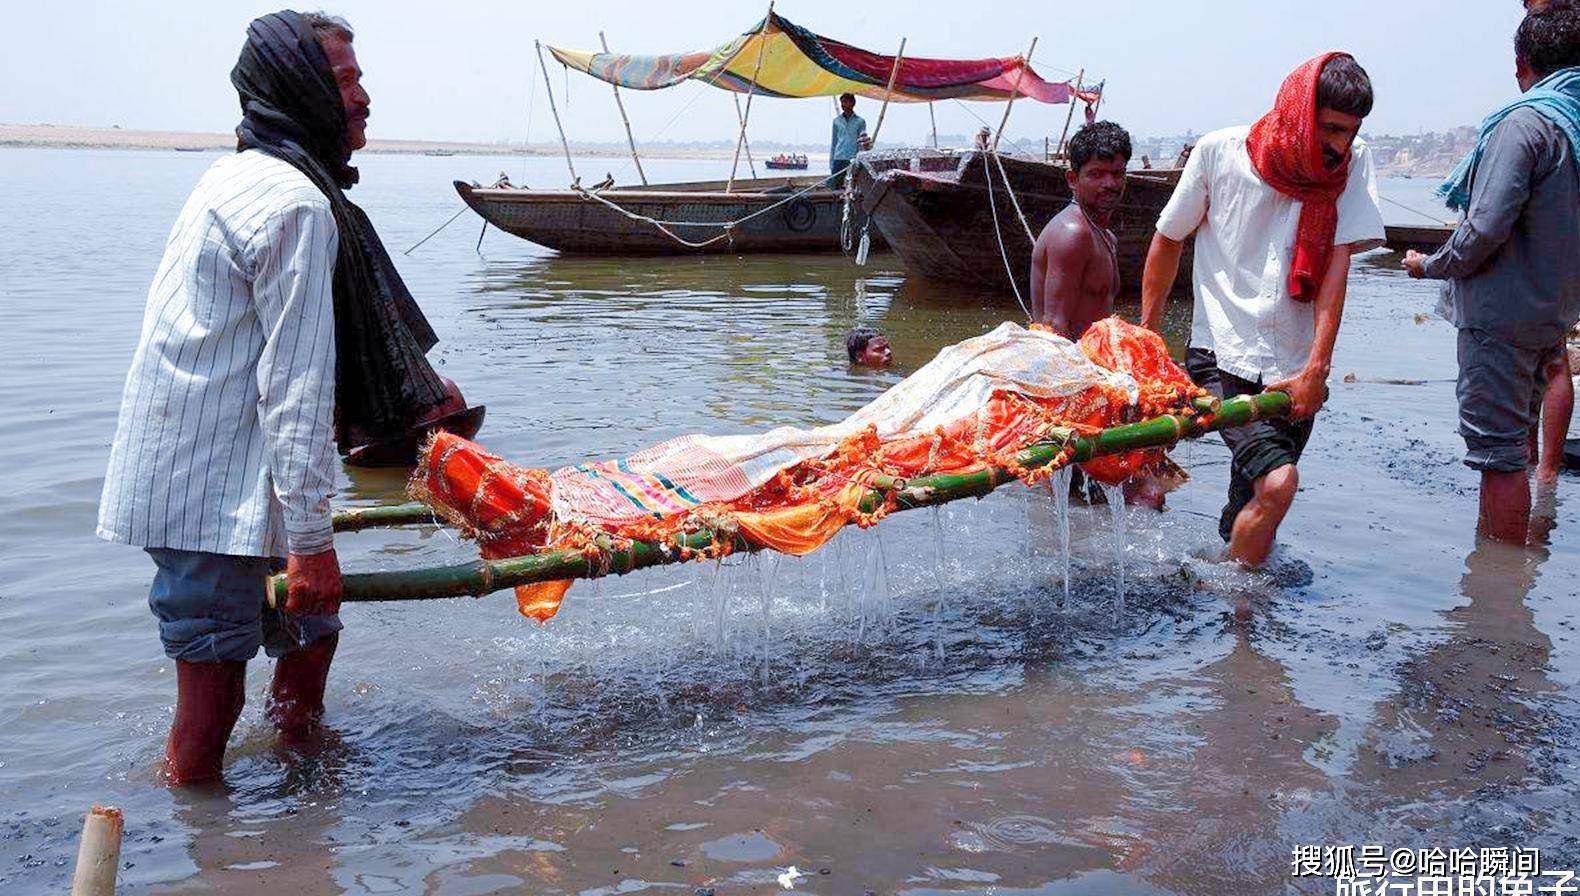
(76, 137)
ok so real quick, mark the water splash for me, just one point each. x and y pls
(941, 571)
(885, 597)
(768, 575)
(940, 582)
(1030, 529)
(842, 563)
(1060, 485)
(1117, 508)
(875, 603)
(720, 598)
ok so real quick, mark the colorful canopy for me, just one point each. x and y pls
(798, 63)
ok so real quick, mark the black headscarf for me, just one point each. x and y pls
(291, 109)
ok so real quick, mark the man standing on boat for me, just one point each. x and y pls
(1075, 263)
(1277, 208)
(275, 325)
(1513, 286)
(850, 137)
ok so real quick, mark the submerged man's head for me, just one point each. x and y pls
(1099, 155)
(1344, 98)
(867, 347)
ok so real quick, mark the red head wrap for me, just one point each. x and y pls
(1287, 153)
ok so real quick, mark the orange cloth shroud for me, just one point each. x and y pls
(978, 404)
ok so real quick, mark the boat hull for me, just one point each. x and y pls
(1423, 238)
(571, 223)
(934, 213)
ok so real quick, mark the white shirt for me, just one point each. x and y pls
(1245, 243)
(226, 435)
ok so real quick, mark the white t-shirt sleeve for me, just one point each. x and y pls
(1360, 211)
(1187, 208)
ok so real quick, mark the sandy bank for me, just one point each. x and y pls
(75, 137)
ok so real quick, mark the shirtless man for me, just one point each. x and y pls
(1075, 264)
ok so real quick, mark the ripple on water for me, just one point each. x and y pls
(753, 847)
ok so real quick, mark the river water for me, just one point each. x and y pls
(915, 709)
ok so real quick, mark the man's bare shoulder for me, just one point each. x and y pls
(1068, 231)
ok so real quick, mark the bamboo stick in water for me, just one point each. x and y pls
(99, 853)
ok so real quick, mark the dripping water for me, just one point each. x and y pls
(1115, 496)
(1060, 484)
(940, 582)
(768, 574)
(720, 604)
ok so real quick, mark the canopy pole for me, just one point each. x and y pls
(619, 104)
(934, 120)
(748, 143)
(1070, 116)
(549, 87)
(1014, 92)
(750, 92)
(894, 74)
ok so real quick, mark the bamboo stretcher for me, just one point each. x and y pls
(482, 577)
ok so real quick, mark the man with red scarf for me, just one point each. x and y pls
(1277, 208)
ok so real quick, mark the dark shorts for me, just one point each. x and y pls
(1500, 398)
(1257, 448)
(211, 608)
(836, 172)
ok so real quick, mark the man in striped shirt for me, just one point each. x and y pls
(224, 454)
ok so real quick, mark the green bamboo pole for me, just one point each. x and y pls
(355, 519)
(481, 577)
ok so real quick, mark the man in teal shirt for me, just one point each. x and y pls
(850, 137)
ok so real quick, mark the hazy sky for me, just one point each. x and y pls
(465, 70)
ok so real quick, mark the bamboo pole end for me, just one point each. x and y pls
(99, 853)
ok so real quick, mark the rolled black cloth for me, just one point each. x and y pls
(291, 109)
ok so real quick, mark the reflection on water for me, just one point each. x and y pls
(917, 710)
(1476, 711)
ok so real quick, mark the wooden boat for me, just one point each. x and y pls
(932, 208)
(567, 221)
(1427, 238)
(775, 57)
(787, 163)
